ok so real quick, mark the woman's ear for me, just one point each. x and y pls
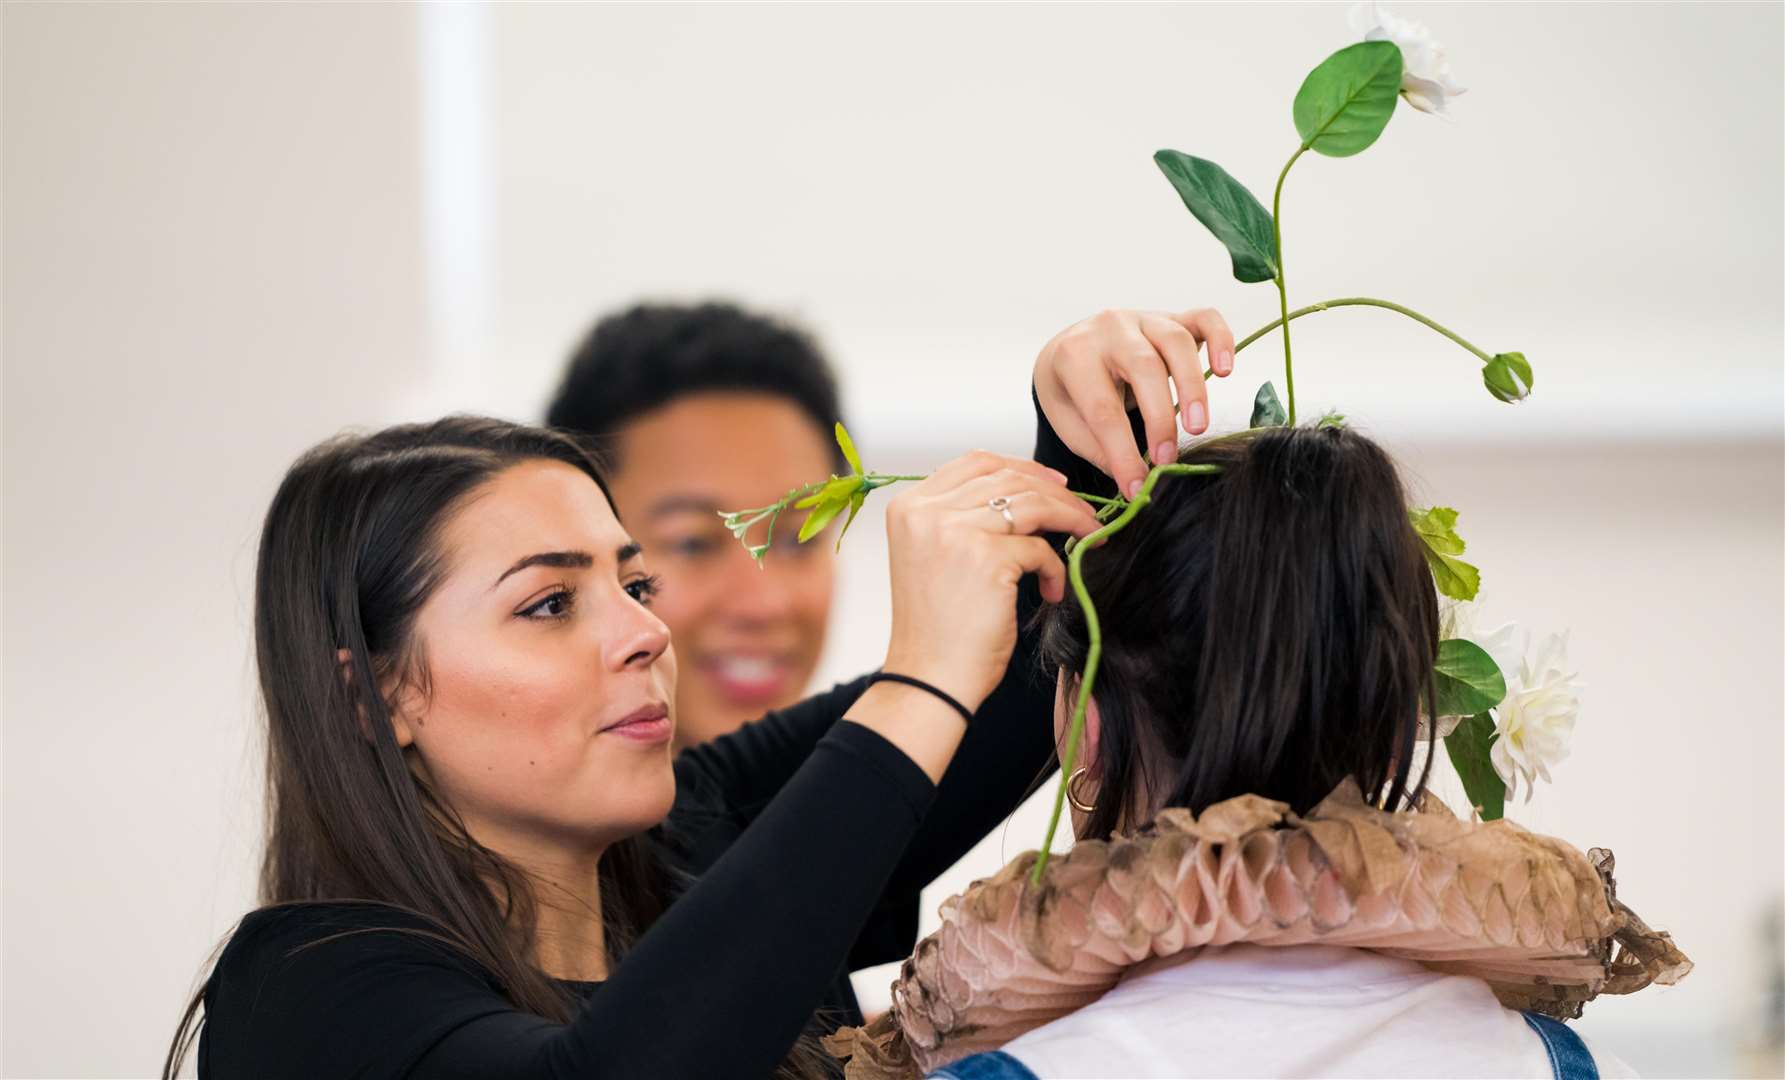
(399, 723)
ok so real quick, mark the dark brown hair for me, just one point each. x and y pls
(349, 553)
(1268, 629)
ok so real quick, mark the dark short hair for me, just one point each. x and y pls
(647, 356)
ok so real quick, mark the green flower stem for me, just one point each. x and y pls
(1350, 301)
(1282, 286)
(1363, 301)
(1098, 499)
(875, 480)
(1075, 571)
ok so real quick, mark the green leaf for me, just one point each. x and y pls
(1436, 528)
(1345, 103)
(1470, 749)
(855, 507)
(1454, 577)
(821, 516)
(837, 488)
(1508, 377)
(1267, 411)
(847, 445)
(1227, 209)
(1468, 681)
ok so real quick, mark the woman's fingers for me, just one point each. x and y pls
(1096, 397)
(1139, 362)
(976, 463)
(1036, 556)
(1033, 508)
(1179, 348)
(1211, 329)
(1080, 377)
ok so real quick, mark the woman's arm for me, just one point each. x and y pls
(721, 985)
(725, 981)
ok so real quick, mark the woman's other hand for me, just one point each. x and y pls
(1083, 376)
(956, 561)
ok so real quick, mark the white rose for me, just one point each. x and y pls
(1536, 720)
(1425, 73)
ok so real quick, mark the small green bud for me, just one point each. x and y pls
(1508, 377)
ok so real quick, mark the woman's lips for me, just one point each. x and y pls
(647, 725)
(748, 679)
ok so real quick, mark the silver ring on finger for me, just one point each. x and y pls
(1001, 503)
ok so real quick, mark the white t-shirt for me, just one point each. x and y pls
(1309, 1010)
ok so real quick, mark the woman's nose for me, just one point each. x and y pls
(640, 639)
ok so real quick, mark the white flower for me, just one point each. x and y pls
(1425, 73)
(1536, 720)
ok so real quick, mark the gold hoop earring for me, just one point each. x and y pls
(1072, 793)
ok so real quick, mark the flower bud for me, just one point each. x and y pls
(1508, 377)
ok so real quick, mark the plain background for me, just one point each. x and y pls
(232, 230)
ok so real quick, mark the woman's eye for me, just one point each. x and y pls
(644, 589)
(555, 606)
(693, 547)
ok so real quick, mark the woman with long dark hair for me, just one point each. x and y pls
(481, 860)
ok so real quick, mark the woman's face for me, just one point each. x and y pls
(749, 636)
(547, 716)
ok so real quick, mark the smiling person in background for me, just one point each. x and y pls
(698, 409)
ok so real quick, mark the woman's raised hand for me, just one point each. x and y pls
(959, 542)
(957, 557)
(1083, 376)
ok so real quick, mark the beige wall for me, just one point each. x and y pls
(230, 231)
(212, 260)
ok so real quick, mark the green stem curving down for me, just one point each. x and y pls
(1075, 571)
(1282, 285)
(1350, 301)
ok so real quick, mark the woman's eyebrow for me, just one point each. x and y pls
(569, 560)
(682, 504)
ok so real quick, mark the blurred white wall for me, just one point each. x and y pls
(230, 231)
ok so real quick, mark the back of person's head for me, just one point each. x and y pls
(643, 358)
(1267, 629)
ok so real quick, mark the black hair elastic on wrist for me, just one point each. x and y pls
(887, 676)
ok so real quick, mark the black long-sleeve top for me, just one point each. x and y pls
(811, 838)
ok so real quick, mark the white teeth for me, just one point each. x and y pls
(748, 669)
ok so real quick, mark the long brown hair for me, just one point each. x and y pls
(349, 553)
(1268, 629)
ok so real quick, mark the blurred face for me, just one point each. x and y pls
(547, 718)
(748, 637)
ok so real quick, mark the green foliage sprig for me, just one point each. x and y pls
(823, 500)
